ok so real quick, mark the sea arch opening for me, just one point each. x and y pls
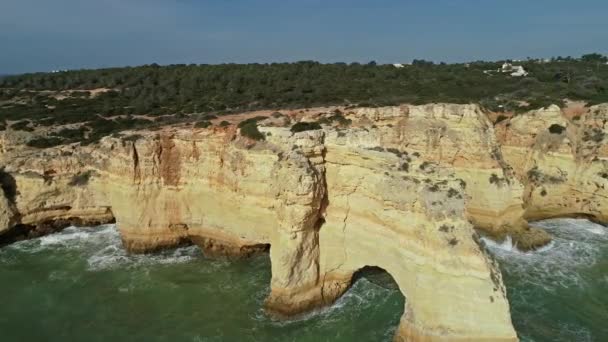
(375, 291)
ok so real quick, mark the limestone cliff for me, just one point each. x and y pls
(401, 188)
(562, 161)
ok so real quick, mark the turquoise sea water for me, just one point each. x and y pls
(80, 285)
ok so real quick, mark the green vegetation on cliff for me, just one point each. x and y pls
(175, 93)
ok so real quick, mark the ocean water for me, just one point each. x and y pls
(559, 293)
(80, 285)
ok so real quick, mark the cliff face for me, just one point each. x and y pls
(563, 162)
(460, 138)
(401, 189)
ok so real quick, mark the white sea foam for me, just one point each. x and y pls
(362, 295)
(102, 248)
(115, 256)
(576, 244)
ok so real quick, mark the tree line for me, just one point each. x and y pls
(184, 89)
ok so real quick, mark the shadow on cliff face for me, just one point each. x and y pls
(21, 231)
(8, 185)
(18, 231)
(377, 276)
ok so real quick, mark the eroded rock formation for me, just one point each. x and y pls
(401, 188)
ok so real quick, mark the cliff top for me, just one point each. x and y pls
(50, 109)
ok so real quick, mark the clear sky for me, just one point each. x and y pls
(41, 35)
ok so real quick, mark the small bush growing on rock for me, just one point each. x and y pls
(224, 123)
(81, 178)
(305, 126)
(557, 129)
(250, 120)
(43, 142)
(424, 165)
(446, 228)
(534, 175)
(22, 126)
(249, 129)
(336, 117)
(453, 193)
(202, 124)
(74, 134)
(433, 188)
(463, 184)
(405, 167)
(498, 181)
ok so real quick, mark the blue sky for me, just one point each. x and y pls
(41, 35)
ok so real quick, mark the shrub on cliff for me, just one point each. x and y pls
(251, 131)
(336, 117)
(22, 126)
(203, 124)
(81, 178)
(305, 126)
(557, 129)
(250, 120)
(43, 142)
(249, 128)
(72, 134)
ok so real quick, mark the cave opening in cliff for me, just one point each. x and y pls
(377, 276)
(25, 231)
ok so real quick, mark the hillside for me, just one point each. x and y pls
(176, 92)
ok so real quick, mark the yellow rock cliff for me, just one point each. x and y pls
(401, 188)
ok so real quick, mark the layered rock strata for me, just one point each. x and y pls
(400, 188)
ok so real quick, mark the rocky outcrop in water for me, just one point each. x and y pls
(400, 188)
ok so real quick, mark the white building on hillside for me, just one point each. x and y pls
(515, 70)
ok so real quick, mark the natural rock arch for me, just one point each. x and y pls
(326, 208)
(454, 291)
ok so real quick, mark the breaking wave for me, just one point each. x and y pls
(102, 248)
(557, 293)
(577, 243)
(362, 295)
